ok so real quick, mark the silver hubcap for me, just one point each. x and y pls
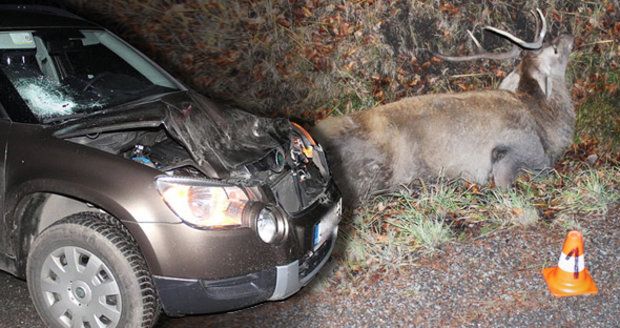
(79, 289)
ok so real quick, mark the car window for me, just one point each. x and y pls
(3, 113)
(60, 72)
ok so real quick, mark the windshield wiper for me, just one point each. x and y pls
(145, 99)
(69, 117)
(139, 101)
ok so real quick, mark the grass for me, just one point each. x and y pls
(351, 103)
(392, 231)
(590, 193)
(514, 208)
(427, 233)
(599, 118)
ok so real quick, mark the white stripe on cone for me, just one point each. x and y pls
(567, 263)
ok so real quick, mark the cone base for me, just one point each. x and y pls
(559, 288)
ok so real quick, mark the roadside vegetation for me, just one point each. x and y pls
(310, 59)
(394, 230)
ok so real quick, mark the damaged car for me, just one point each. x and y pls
(123, 192)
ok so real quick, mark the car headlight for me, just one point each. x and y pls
(267, 226)
(203, 204)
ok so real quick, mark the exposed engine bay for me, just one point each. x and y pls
(151, 147)
(296, 173)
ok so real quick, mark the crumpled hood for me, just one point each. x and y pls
(216, 134)
(233, 136)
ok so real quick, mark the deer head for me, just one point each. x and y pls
(543, 62)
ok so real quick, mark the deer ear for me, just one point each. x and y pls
(548, 86)
(544, 82)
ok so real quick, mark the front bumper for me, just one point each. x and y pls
(195, 296)
(181, 251)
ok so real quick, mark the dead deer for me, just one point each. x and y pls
(526, 125)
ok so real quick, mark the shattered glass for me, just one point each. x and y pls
(47, 98)
(63, 72)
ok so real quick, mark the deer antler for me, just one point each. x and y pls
(537, 44)
(514, 52)
(482, 53)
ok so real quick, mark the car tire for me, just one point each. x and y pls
(88, 268)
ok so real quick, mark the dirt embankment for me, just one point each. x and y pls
(315, 57)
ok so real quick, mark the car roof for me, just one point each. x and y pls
(36, 16)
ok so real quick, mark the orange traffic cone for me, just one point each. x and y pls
(570, 277)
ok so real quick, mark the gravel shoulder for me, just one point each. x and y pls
(494, 281)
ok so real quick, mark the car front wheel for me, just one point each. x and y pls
(86, 271)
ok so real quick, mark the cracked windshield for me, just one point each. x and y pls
(71, 72)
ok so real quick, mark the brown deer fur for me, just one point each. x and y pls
(474, 135)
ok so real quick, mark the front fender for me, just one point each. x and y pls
(38, 162)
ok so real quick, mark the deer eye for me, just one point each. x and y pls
(555, 49)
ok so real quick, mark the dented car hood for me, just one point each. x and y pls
(216, 134)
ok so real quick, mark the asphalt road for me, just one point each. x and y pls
(489, 282)
(17, 311)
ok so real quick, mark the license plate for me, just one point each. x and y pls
(327, 226)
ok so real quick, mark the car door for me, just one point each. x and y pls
(4, 132)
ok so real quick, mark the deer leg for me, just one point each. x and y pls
(503, 166)
(508, 161)
(504, 172)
